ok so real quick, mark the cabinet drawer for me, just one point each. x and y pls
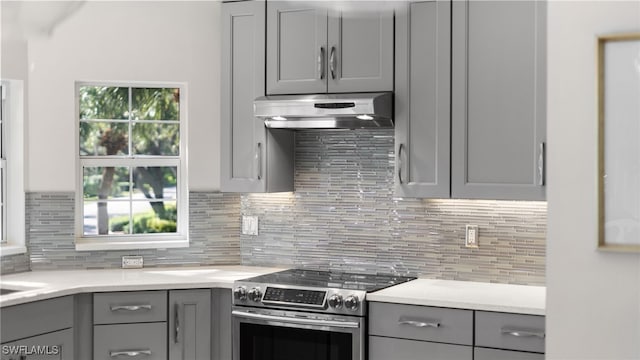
(495, 354)
(421, 323)
(510, 331)
(129, 307)
(146, 341)
(25, 320)
(57, 345)
(381, 348)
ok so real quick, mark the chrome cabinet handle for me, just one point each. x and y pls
(400, 163)
(332, 62)
(541, 163)
(130, 353)
(419, 323)
(522, 332)
(259, 160)
(321, 62)
(176, 317)
(130, 307)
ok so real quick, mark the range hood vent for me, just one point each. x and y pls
(326, 111)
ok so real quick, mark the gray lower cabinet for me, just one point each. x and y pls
(173, 325)
(411, 332)
(221, 327)
(38, 330)
(314, 48)
(422, 101)
(51, 346)
(382, 348)
(496, 354)
(498, 99)
(253, 159)
(510, 331)
(190, 324)
(36, 318)
(130, 341)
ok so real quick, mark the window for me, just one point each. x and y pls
(132, 167)
(12, 210)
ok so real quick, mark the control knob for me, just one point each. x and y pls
(240, 293)
(255, 294)
(335, 301)
(351, 302)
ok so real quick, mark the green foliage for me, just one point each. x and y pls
(147, 223)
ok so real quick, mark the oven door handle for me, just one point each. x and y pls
(294, 320)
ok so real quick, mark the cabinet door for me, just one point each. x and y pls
(242, 81)
(498, 103)
(360, 47)
(54, 345)
(382, 348)
(252, 159)
(296, 47)
(495, 354)
(422, 102)
(222, 341)
(190, 324)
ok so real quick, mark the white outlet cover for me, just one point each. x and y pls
(471, 236)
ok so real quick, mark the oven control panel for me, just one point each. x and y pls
(277, 295)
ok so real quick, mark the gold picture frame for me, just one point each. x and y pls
(618, 69)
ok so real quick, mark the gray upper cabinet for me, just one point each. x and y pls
(252, 159)
(498, 99)
(360, 47)
(190, 324)
(422, 101)
(296, 47)
(315, 49)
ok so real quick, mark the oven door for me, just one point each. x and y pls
(265, 334)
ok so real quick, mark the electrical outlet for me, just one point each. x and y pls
(471, 237)
(249, 225)
(132, 262)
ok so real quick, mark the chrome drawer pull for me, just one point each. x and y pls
(130, 307)
(419, 323)
(523, 332)
(130, 353)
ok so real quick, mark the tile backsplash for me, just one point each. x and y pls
(344, 215)
(214, 228)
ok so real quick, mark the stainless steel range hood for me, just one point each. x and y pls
(327, 111)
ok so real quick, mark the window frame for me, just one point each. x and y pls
(180, 238)
(14, 228)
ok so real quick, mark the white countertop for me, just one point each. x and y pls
(519, 299)
(40, 285)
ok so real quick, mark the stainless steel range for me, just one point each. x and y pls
(303, 314)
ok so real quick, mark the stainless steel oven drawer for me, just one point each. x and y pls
(130, 341)
(510, 331)
(129, 307)
(421, 323)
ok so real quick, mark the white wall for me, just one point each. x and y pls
(593, 298)
(124, 41)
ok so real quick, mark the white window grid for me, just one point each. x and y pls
(131, 161)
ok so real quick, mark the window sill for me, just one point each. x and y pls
(8, 249)
(88, 244)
